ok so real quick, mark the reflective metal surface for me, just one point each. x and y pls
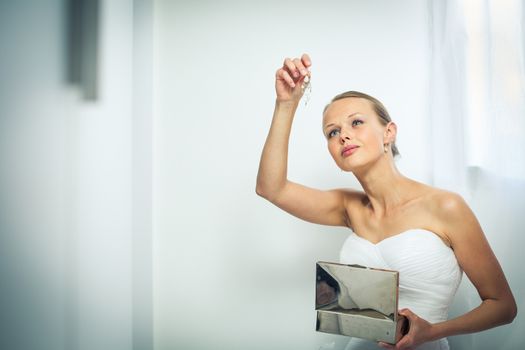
(358, 301)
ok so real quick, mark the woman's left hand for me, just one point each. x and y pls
(419, 332)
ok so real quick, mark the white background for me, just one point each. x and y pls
(131, 221)
(231, 270)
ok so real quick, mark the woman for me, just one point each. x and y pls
(428, 234)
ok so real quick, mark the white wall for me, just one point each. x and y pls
(33, 156)
(65, 184)
(102, 192)
(231, 270)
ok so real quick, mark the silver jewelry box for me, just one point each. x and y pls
(358, 301)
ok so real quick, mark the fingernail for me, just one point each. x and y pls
(295, 74)
(303, 71)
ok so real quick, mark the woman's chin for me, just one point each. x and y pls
(349, 166)
(347, 169)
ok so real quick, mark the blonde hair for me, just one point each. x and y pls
(379, 109)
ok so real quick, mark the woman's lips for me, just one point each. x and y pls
(349, 150)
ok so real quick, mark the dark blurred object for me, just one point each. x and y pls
(83, 19)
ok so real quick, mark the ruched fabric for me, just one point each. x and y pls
(429, 274)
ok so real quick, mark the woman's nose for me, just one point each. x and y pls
(344, 136)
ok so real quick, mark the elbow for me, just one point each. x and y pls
(513, 312)
(265, 192)
(259, 191)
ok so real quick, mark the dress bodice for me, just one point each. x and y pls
(429, 274)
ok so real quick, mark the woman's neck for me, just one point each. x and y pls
(385, 187)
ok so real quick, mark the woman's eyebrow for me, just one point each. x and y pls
(328, 125)
(348, 116)
(356, 114)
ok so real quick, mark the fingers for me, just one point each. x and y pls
(408, 339)
(405, 343)
(306, 60)
(293, 74)
(283, 74)
(300, 66)
(289, 65)
(408, 314)
(297, 67)
(385, 345)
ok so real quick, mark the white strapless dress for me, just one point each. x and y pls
(429, 275)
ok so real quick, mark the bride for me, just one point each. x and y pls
(427, 234)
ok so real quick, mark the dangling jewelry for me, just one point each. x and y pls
(386, 147)
(306, 88)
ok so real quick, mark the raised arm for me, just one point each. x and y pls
(322, 207)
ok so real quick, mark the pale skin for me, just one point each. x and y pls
(390, 203)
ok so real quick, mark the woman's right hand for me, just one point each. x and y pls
(290, 77)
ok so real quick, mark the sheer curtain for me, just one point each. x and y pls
(477, 111)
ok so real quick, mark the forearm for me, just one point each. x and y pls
(490, 313)
(273, 165)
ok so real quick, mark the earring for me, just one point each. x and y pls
(386, 147)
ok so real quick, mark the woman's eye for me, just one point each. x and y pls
(333, 133)
(357, 122)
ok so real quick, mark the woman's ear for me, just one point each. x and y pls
(390, 133)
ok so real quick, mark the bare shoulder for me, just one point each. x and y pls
(449, 206)
(453, 215)
(445, 203)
